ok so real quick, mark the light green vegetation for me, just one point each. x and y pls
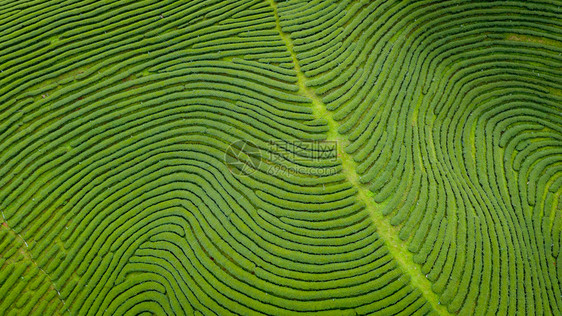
(444, 198)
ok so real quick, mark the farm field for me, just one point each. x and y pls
(263, 157)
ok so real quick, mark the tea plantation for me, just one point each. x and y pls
(253, 157)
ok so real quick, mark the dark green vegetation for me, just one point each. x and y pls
(115, 117)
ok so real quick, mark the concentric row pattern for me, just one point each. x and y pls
(453, 111)
(442, 196)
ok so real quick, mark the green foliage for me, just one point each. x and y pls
(443, 194)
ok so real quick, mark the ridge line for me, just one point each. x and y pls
(27, 255)
(388, 233)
